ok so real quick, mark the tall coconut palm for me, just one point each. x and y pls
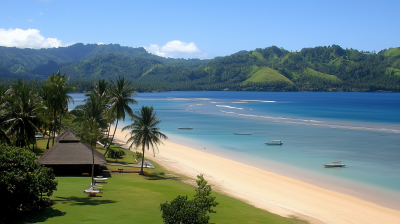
(144, 131)
(91, 116)
(120, 94)
(100, 92)
(58, 98)
(20, 109)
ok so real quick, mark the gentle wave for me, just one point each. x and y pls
(319, 122)
(238, 108)
(263, 101)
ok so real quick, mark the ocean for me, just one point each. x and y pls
(360, 129)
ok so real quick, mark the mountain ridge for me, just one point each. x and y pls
(327, 68)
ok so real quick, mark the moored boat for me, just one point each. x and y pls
(274, 142)
(335, 164)
(185, 128)
(241, 133)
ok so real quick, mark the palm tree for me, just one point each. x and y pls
(20, 109)
(60, 99)
(144, 131)
(91, 116)
(100, 93)
(3, 136)
(120, 97)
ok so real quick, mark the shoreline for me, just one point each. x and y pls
(266, 190)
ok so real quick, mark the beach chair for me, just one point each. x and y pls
(96, 179)
(91, 191)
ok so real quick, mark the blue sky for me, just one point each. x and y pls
(201, 29)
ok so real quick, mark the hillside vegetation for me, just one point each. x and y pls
(265, 74)
(323, 68)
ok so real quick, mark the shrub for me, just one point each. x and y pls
(138, 156)
(116, 153)
(182, 210)
(23, 180)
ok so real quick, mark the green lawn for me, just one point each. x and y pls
(132, 198)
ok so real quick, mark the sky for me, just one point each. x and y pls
(201, 29)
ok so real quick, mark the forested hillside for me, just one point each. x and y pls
(328, 68)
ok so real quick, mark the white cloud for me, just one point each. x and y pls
(41, 13)
(177, 49)
(30, 20)
(100, 43)
(29, 38)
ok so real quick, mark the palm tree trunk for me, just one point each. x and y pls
(48, 142)
(92, 166)
(141, 169)
(55, 126)
(108, 147)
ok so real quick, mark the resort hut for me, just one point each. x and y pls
(69, 130)
(71, 157)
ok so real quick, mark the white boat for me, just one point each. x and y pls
(185, 128)
(274, 142)
(335, 164)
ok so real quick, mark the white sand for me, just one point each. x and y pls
(266, 190)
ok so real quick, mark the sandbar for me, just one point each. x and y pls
(267, 190)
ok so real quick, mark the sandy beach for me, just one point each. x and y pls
(266, 190)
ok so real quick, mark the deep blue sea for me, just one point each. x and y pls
(360, 129)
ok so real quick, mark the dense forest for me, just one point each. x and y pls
(324, 68)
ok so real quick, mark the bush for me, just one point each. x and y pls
(116, 153)
(23, 180)
(182, 210)
(138, 156)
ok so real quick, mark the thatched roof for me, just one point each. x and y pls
(69, 130)
(71, 151)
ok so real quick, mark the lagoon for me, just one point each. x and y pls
(360, 129)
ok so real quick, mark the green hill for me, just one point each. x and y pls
(265, 74)
(310, 71)
(393, 52)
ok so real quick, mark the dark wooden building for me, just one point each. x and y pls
(72, 157)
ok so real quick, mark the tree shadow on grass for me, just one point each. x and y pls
(33, 216)
(82, 200)
(44, 215)
(155, 176)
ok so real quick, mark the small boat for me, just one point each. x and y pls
(335, 164)
(185, 128)
(241, 133)
(274, 142)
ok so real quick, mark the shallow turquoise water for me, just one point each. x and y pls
(360, 129)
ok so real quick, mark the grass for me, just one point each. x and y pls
(393, 52)
(258, 55)
(151, 69)
(310, 71)
(132, 198)
(265, 74)
(395, 70)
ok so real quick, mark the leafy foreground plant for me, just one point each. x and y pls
(182, 210)
(22, 181)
